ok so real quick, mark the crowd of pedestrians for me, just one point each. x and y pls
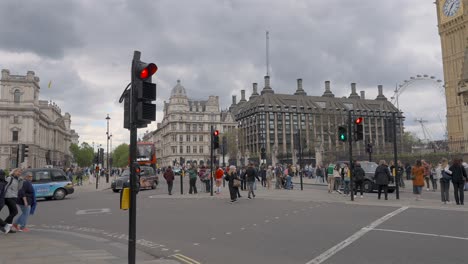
(16, 190)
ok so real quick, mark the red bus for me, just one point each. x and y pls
(146, 154)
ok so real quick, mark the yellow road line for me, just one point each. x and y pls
(185, 259)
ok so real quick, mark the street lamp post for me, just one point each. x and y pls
(108, 137)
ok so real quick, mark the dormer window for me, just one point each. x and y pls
(17, 96)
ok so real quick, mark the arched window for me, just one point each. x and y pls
(17, 95)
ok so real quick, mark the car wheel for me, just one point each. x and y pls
(115, 190)
(368, 186)
(60, 194)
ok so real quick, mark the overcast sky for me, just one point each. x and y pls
(217, 47)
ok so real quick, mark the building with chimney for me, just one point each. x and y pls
(27, 121)
(183, 136)
(272, 121)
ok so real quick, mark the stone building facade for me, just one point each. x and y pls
(183, 136)
(26, 120)
(452, 19)
(271, 121)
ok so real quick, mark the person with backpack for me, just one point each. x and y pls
(13, 184)
(358, 176)
(26, 202)
(251, 174)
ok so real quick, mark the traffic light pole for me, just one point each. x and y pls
(301, 170)
(395, 159)
(351, 166)
(133, 152)
(224, 163)
(211, 160)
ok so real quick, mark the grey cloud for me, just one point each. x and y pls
(47, 28)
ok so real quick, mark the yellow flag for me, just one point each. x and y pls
(50, 84)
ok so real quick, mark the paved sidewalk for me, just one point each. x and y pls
(90, 185)
(39, 247)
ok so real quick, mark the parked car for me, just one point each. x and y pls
(369, 168)
(51, 183)
(148, 179)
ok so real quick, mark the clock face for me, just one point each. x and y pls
(451, 7)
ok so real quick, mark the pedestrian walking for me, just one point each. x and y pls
(346, 180)
(192, 172)
(251, 175)
(269, 176)
(243, 186)
(408, 171)
(319, 174)
(219, 174)
(427, 173)
(445, 176)
(337, 178)
(417, 175)
(331, 178)
(382, 178)
(3, 184)
(278, 173)
(358, 177)
(233, 183)
(459, 177)
(203, 175)
(13, 184)
(169, 176)
(26, 202)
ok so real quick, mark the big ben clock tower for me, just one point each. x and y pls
(453, 30)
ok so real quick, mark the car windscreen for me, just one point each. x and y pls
(125, 173)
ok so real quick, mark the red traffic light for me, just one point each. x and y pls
(216, 133)
(358, 120)
(148, 71)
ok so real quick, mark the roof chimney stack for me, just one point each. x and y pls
(328, 92)
(267, 88)
(353, 94)
(299, 90)
(363, 95)
(254, 91)
(381, 96)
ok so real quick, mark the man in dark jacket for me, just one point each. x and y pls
(359, 176)
(169, 176)
(382, 178)
(251, 174)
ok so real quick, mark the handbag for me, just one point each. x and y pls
(236, 183)
(446, 177)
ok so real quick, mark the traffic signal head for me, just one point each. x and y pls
(359, 130)
(216, 139)
(342, 135)
(263, 153)
(142, 94)
(146, 70)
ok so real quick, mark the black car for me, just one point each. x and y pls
(50, 183)
(148, 179)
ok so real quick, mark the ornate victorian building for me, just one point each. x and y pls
(271, 121)
(26, 120)
(183, 136)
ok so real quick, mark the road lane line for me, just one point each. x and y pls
(421, 234)
(335, 249)
(185, 259)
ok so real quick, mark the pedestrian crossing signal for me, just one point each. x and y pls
(342, 134)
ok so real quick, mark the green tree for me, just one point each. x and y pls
(409, 140)
(83, 154)
(120, 155)
(231, 140)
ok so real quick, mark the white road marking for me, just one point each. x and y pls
(254, 224)
(176, 250)
(213, 238)
(417, 233)
(164, 249)
(93, 211)
(196, 244)
(242, 228)
(276, 217)
(267, 221)
(228, 233)
(335, 249)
